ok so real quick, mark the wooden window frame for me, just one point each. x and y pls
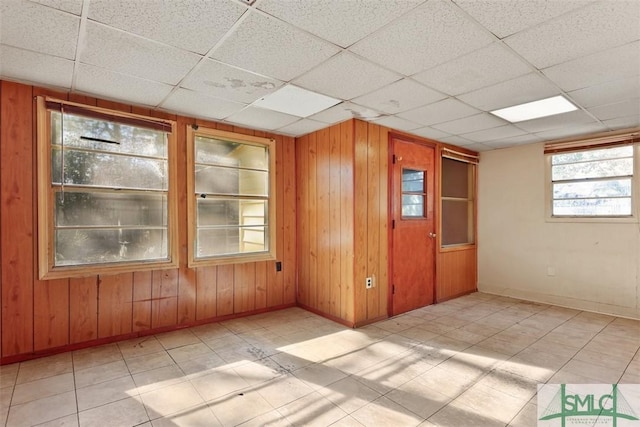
(627, 137)
(270, 144)
(46, 193)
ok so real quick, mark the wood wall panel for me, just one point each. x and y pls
(457, 273)
(347, 301)
(79, 311)
(360, 218)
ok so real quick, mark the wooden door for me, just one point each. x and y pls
(412, 227)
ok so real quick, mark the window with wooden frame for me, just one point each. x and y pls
(593, 179)
(231, 204)
(458, 187)
(107, 199)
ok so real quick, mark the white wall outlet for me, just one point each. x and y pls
(368, 282)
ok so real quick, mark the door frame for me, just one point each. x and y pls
(390, 201)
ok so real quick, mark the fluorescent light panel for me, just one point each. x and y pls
(296, 101)
(536, 109)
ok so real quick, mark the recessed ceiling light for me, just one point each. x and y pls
(536, 109)
(296, 101)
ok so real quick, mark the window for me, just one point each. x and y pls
(106, 198)
(232, 197)
(592, 179)
(413, 193)
(457, 198)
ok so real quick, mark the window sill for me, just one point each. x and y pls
(48, 273)
(457, 248)
(600, 219)
(235, 259)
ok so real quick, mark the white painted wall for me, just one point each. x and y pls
(596, 264)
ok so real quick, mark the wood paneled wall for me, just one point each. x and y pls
(456, 273)
(42, 316)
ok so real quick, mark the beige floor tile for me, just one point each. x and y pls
(458, 415)
(68, 421)
(218, 384)
(527, 417)
(283, 390)
(189, 351)
(101, 373)
(347, 421)
(527, 369)
(46, 367)
(565, 377)
(225, 342)
(202, 365)
(418, 398)
(544, 345)
(290, 362)
(123, 413)
(200, 416)
(177, 339)
(463, 369)
(502, 346)
(418, 333)
(141, 346)
(503, 406)
(170, 400)
(600, 373)
(42, 410)
(211, 332)
(317, 375)
(5, 397)
(238, 408)
(8, 375)
(39, 389)
(96, 356)
(465, 336)
(349, 394)
(158, 378)
(604, 343)
(546, 360)
(448, 345)
(148, 362)
(511, 384)
(445, 382)
(385, 412)
(259, 371)
(612, 360)
(106, 392)
(312, 410)
(270, 419)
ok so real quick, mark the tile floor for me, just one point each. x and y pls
(472, 361)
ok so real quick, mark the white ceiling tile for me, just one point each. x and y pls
(345, 111)
(223, 81)
(474, 146)
(601, 67)
(192, 25)
(71, 6)
(570, 131)
(608, 93)
(431, 34)
(494, 133)
(296, 101)
(573, 118)
(623, 122)
(346, 76)
(514, 140)
(39, 28)
(35, 67)
(268, 46)
(259, 118)
(396, 123)
(399, 96)
(126, 53)
(599, 26)
(530, 87)
(504, 18)
(339, 21)
(196, 104)
(630, 107)
(302, 127)
(471, 124)
(484, 67)
(438, 112)
(431, 133)
(120, 87)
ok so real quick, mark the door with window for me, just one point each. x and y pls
(413, 226)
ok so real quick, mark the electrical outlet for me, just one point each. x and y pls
(369, 282)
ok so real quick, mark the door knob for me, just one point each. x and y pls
(432, 235)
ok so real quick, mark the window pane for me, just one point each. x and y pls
(227, 153)
(126, 138)
(220, 180)
(412, 180)
(75, 247)
(592, 207)
(412, 205)
(594, 169)
(581, 156)
(590, 189)
(110, 210)
(455, 178)
(458, 227)
(221, 212)
(109, 171)
(231, 240)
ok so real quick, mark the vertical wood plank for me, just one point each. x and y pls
(382, 281)
(323, 251)
(360, 219)
(16, 211)
(260, 279)
(114, 304)
(51, 314)
(244, 287)
(313, 220)
(335, 201)
(206, 283)
(275, 280)
(373, 218)
(290, 264)
(142, 282)
(164, 294)
(225, 290)
(302, 191)
(83, 309)
(346, 220)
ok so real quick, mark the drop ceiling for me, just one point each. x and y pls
(432, 68)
